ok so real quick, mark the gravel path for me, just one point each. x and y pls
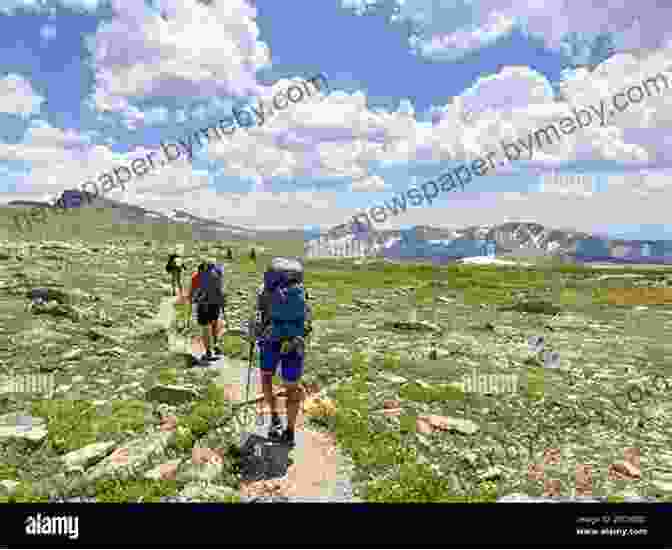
(315, 462)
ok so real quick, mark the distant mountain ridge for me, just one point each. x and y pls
(123, 213)
(511, 238)
(519, 239)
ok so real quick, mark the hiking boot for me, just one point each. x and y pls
(287, 437)
(195, 362)
(207, 356)
(275, 431)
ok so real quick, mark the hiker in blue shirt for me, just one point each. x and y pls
(207, 291)
(283, 321)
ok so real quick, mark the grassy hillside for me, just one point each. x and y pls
(388, 337)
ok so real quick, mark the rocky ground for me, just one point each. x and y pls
(387, 416)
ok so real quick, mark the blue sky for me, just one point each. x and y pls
(87, 85)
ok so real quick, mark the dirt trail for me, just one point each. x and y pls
(317, 469)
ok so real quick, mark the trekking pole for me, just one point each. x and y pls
(249, 371)
(246, 435)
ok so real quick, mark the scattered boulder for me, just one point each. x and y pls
(43, 295)
(204, 455)
(124, 461)
(72, 355)
(168, 423)
(429, 423)
(96, 334)
(167, 470)
(424, 326)
(521, 497)
(665, 487)
(365, 303)
(57, 310)
(310, 388)
(116, 351)
(391, 408)
(208, 492)
(22, 427)
(86, 456)
(624, 471)
(393, 378)
(541, 307)
(629, 469)
(8, 486)
(319, 406)
(206, 465)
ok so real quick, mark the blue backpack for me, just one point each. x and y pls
(210, 286)
(287, 304)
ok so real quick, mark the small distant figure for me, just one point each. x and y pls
(253, 255)
(175, 267)
(37, 297)
(229, 254)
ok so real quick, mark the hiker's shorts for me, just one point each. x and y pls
(207, 313)
(292, 363)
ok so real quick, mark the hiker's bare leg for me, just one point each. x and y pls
(267, 387)
(175, 283)
(206, 337)
(293, 402)
(213, 330)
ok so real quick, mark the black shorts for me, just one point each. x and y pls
(207, 313)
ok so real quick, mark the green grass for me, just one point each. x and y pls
(167, 376)
(433, 394)
(387, 465)
(132, 490)
(8, 471)
(73, 424)
(233, 346)
(211, 411)
(25, 493)
(535, 382)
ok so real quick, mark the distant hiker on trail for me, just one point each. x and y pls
(253, 255)
(283, 321)
(175, 267)
(207, 291)
(229, 254)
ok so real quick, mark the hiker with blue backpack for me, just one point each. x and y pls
(207, 292)
(283, 322)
